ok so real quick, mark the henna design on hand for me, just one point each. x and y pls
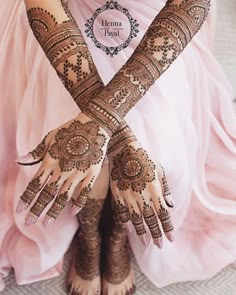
(88, 253)
(58, 205)
(40, 150)
(122, 212)
(32, 189)
(151, 221)
(165, 219)
(132, 168)
(137, 221)
(45, 197)
(78, 146)
(84, 195)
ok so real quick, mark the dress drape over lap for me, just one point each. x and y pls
(185, 121)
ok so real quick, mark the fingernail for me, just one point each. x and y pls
(23, 159)
(30, 219)
(158, 242)
(75, 210)
(21, 206)
(48, 220)
(170, 237)
(170, 202)
(143, 239)
(129, 227)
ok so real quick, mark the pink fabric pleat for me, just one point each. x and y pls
(185, 121)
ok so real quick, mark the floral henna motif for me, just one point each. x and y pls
(78, 146)
(32, 189)
(87, 260)
(132, 168)
(45, 197)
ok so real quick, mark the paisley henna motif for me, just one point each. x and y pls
(78, 147)
(32, 189)
(132, 168)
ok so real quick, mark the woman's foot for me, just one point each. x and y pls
(118, 276)
(84, 278)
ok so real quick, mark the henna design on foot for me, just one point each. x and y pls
(132, 168)
(78, 146)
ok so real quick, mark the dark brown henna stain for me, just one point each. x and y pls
(137, 221)
(32, 189)
(165, 219)
(40, 151)
(78, 147)
(59, 204)
(87, 260)
(170, 32)
(116, 262)
(132, 168)
(84, 195)
(151, 221)
(67, 51)
(122, 211)
(45, 197)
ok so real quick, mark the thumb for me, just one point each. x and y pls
(36, 155)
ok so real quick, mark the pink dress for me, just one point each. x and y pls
(186, 122)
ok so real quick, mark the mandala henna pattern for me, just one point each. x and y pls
(32, 189)
(78, 146)
(132, 168)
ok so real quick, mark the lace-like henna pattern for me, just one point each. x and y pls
(32, 189)
(151, 221)
(132, 168)
(170, 32)
(165, 219)
(121, 211)
(45, 197)
(59, 204)
(67, 51)
(88, 253)
(117, 262)
(84, 195)
(123, 136)
(78, 146)
(40, 150)
(137, 221)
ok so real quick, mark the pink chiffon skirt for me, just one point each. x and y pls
(186, 122)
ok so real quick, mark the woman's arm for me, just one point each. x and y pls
(168, 35)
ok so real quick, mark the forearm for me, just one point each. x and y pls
(170, 32)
